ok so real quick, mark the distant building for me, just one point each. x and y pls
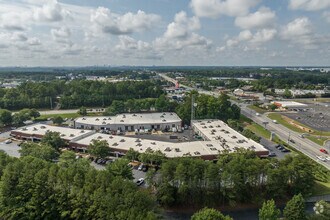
(289, 104)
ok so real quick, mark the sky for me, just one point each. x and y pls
(165, 32)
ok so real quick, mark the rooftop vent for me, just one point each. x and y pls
(83, 119)
(99, 137)
(97, 119)
(82, 131)
(177, 150)
(109, 118)
(134, 114)
(139, 144)
(197, 153)
(110, 137)
(115, 144)
(62, 135)
(167, 149)
(138, 140)
(164, 120)
(42, 127)
(209, 145)
(122, 140)
(213, 149)
(71, 135)
(234, 137)
(121, 120)
(35, 129)
(104, 119)
(153, 143)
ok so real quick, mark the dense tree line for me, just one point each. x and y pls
(235, 178)
(208, 107)
(160, 104)
(76, 93)
(32, 188)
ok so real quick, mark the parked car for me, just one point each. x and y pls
(140, 181)
(145, 168)
(8, 141)
(140, 167)
(324, 150)
(285, 150)
(281, 148)
(292, 141)
(271, 154)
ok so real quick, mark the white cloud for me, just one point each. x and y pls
(215, 8)
(180, 34)
(300, 31)
(245, 35)
(112, 23)
(34, 41)
(261, 18)
(264, 35)
(309, 5)
(14, 21)
(326, 15)
(182, 25)
(19, 36)
(297, 28)
(61, 35)
(249, 39)
(52, 11)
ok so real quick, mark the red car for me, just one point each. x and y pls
(324, 151)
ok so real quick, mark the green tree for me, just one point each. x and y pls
(58, 120)
(322, 210)
(132, 154)
(209, 214)
(34, 113)
(82, 111)
(269, 211)
(67, 158)
(120, 168)
(5, 117)
(161, 103)
(40, 151)
(99, 149)
(287, 93)
(295, 208)
(53, 139)
(273, 107)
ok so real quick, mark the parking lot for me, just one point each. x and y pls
(269, 145)
(316, 116)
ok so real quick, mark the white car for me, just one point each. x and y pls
(8, 141)
(140, 182)
(327, 158)
(321, 158)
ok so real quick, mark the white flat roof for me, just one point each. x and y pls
(196, 148)
(132, 119)
(290, 104)
(218, 131)
(42, 129)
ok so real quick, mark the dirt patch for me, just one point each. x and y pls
(292, 122)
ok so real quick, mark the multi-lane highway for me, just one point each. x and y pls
(303, 145)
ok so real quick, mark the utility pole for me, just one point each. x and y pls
(51, 102)
(192, 108)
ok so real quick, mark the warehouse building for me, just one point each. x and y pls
(131, 122)
(218, 138)
(37, 131)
